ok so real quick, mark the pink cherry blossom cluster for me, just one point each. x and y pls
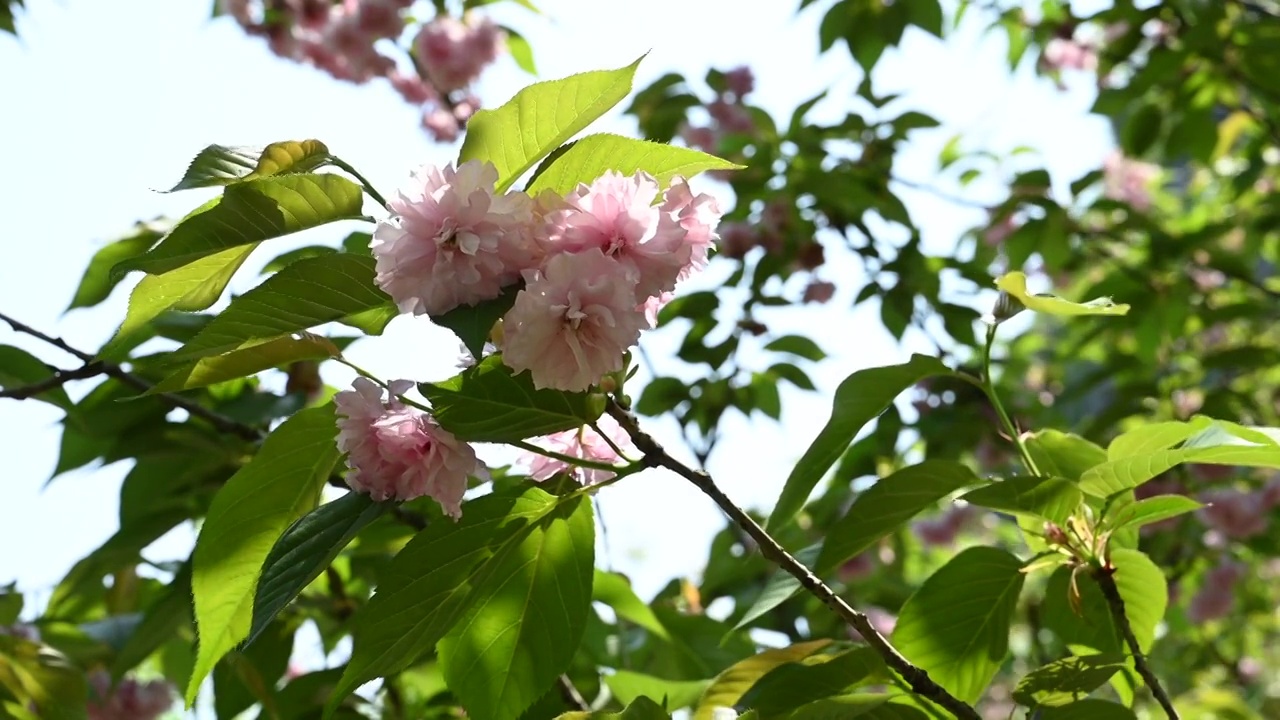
(397, 452)
(595, 264)
(583, 443)
(130, 700)
(1240, 515)
(1069, 54)
(1128, 180)
(729, 114)
(1216, 596)
(943, 529)
(341, 38)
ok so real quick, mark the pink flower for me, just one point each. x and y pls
(411, 87)
(451, 241)
(732, 117)
(442, 124)
(573, 321)
(1129, 180)
(617, 216)
(378, 18)
(396, 452)
(700, 138)
(1062, 54)
(698, 215)
(584, 443)
(1216, 597)
(1236, 515)
(819, 291)
(653, 305)
(943, 529)
(453, 53)
(860, 566)
(740, 81)
(131, 699)
(882, 620)
(737, 239)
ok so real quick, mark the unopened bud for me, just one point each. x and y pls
(1006, 307)
(1055, 535)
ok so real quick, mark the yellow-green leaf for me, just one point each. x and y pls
(1015, 283)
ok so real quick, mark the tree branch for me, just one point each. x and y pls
(916, 678)
(1112, 594)
(571, 695)
(57, 380)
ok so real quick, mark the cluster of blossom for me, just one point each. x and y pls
(341, 39)
(729, 114)
(596, 265)
(130, 700)
(1216, 596)
(1240, 515)
(585, 444)
(943, 529)
(1128, 180)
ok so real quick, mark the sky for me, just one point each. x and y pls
(107, 102)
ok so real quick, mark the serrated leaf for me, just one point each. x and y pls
(1067, 680)
(885, 506)
(97, 283)
(614, 590)
(956, 625)
(789, 686)
(1152, 510)
(1143, 588)
(1015, 283)
(1153, 437)
(860, 397)
(593, 155)
(189, 288)
(487, 403)
(1088, 710)
(250, 212)
(730, 685)
(628, 686)
(1047, 498)
(305, 550)
(515, 136)
(254, 358)
(526, 615)
(304, 294)
(224, 165)
(247, 516)
(521, 51)
(474, 323)
(19, 368)
(1062, 454)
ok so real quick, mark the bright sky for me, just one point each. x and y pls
(108, 101)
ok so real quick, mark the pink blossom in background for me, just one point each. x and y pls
(411, 87)
(1063, 54)
(1237, 515)
(882, 620)
(441, 123)
(616, 215)
(573, 321)
(584, 443)
(737, 239)
(397, 452)
(860, 566)
(453, 53)
(740, 81)
(451, 241)
(943, 529)
(732, 117)
(819, 291)
(130, 700)
(1216, 596)
(1129, 181)
(999, 230)
(700, 138)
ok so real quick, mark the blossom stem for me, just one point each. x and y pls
(1107, 584)
(609, 441)
(989, 386)
(919, 681)
(368, 186)
(571, 460)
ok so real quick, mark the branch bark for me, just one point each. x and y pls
(919, 681)
(1115, 602)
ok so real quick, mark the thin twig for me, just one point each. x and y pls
(1107, 584)
(571, 694)
(54, 381)
(656, 456)
(368, 186)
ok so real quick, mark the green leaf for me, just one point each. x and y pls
(1152, 510)
(1143, 588)
(306, 293)
(487, 403)
(1062, 454)
(526, 615)
(305, 550)
(247, 516)
(250, 212)
(521, 51)
(794, 684)
(885, 506)
(859, 398)
(19, 368)
(956, 625)
(1116, 476)
(42, 680)
(225, 165)
(730, 685)
(660, 395)
(867, 706)
(628, 686)
(781, 586)
(799, 346)
(250, 360)
(593, 155)
(473, 323)
(614, 590)
(97, 283)
(1047, 498)
(1153, 437)
(426, 589)
(540, 118)
(166, 616)
(285, 259)
(189, 288)
(1067, 680)
(1015, 283)
(1089, 710)
(641, 708)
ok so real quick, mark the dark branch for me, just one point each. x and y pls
(57, 380)
(1112, 594)
(916, 678)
